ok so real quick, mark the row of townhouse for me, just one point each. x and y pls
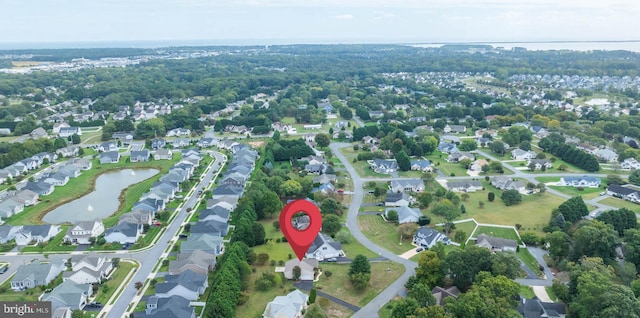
(187, 277)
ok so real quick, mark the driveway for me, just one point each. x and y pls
(541, 293)
(410, 253)
(307, 285)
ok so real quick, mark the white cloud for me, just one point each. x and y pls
(343, 17)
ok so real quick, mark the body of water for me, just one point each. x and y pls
(103, 201)
(633, 46)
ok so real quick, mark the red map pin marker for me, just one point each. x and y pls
(300, 240)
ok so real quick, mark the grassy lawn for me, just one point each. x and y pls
(147, 238)
(383, 234)
(528, 259)
(85, 183)
(354, 248)
(363, 169)
(586, 193)
(254, 306)
(548, 179)
(620, 203)
(497, 232)
(385, 311)
(410, 174)
(533, 212)
(466, 227)
(26, 295)
(91, 136)
(527, 292)
(116, 279)
(451, 169)
(551, 294)
(382, 274)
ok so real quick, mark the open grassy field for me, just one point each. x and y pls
(497, 232)
(383, 234)
(254, 306)
(620, 203)
(533, 212)
(586, 193)
(382, 274)
(85, 183)
(91, 136)
(466, 227)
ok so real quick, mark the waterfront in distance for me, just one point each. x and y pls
(103, 201)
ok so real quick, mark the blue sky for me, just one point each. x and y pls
(317, 21)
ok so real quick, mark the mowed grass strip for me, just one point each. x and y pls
(338, 285)
(383, 234)
(586, 193)
(497, 232)
(620, 203)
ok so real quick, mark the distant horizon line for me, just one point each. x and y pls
(34, 45)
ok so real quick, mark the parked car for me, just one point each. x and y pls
(380, 204)
(333, 259)
(419, 249)
(4, 269)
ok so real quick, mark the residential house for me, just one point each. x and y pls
(40, 187)
(506, 183)
(478, 164)
(383, 165)
(167, 307)
(158, 143)
(447, 147)
(180, 142)
(540, 132)
(535, 308)
(405, 214)
(496, 244)
(440, 294)
(68, 294)
(82, 163)
(204, 242)
(216, 213)
(630, 164)
(196, 261)
(227, 190)
(9, 207)
(421, 165)
(428, 237)
(163, 154)
(308, 268)
(394, 199)
(324, 247)
(464, 185)
(292, 305)
(88, 268)
(456, 129)
(36, 274)
(459, 156)
(628, 194)
(407, 185)
(69, 131)
(68, 151)
(317, 168)
(58, 126)
(56, 179)
(70, 170)
(325, 178)
(137, 217)
(8, 232)
(140, 155)
(491, 132)
(124, 137)
(107, 146)
(519, 154)
(368, 140)
(376, 114)
(582, 182)
(325, 188)
(213, 227)
(187, 284)
(124, 233)
(83, 231)
(606, 155)
(178, 132)
(109, 157)
(25, 197)
(36, 233)
(38, 133)
(62, 312)
(539, 163)
(235, 179)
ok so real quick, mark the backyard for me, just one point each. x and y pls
(383, 234)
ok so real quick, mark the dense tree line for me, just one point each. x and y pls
(555, 144)
(285, 150)
(11, 153)
(229, 282)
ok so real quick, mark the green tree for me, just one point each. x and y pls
(621, 220)
(497, 147)
(276, 136)
(468, 145)
(634, 177)
(330, 206)
(464, 265)
(614, 179)
(422, 293)
(392, 215)
(404, 163)
(491, 297)
(297, 271)
(360, 281)
(511, 197)
(491, 196)
(322, 140)
(559, 245)
(59, 143)
(331, 224)
(315, 311)
(595, 239)
(429, 271)
(75, 139)
(360, 264)
(506, 264)
(406, 307)
(312, 296)
(446, 210)
(290, 188)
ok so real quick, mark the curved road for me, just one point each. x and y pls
(372, 308)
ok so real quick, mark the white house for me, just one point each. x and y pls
(405, 214)
(427, 237)
(497, 244)
(292, 305)
(413, 185)
(630, 164)
(83, 231)
(464, 185)
(519, 154)
(584, 181)
(324, 247)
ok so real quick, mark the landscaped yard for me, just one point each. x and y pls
(383, 234)
(532, 213)
(55, 245)
(586, 193)
(528, 259)
(506, 233)
(382, 275)
(620, 203)
(257, 301)
(112, 284)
